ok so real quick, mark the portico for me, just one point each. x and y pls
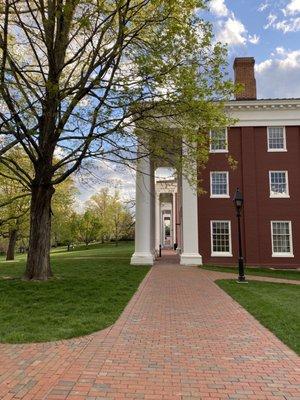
(165, 215)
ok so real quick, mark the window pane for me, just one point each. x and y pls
(221, 236)
(281, 237)
(276, 138)
(219, 183)
(218, 140)
(278, 183)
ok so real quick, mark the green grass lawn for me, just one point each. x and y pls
(274, 273)
(275, 305)
(90, 289)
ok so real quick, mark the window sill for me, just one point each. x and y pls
(283, 255)
(277, 150)
(221, 255)
(223, 196)
(218, 151)
(286, 196)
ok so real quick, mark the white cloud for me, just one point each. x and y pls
(232, 31)
(290, 25)
(254, 39)
(280, 50)
(283, 68)
(263, 66)
(271, 20)
(218, 7)
(292, 8)
(263, 7)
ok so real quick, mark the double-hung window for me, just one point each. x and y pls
(276, 138)
(220, 238)
(219, 184)
(279, 184)
(282, 241)
(219, 141)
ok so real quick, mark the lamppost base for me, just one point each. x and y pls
(242, 280)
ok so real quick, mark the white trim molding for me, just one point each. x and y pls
(276, 112)
(283, 254)
(220, 253)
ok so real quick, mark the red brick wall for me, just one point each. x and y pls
(248, 146)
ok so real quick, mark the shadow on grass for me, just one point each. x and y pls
(89, 291)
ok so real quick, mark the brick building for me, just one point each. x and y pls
(265, 143)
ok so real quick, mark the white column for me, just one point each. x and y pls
(174, 217)
(190, 252)
(143, 242)
(152, 209)
(157, 223)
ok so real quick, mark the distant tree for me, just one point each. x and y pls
(64, 200)
(87, 227)
(116, 219)
(99, 204)
(122, 220)
(15, 204)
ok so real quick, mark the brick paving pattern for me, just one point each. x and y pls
(180, 337)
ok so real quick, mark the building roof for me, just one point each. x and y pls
(270, 99)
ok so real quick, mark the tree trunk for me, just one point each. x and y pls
(10, 255)
(38, 261)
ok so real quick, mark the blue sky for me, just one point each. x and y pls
(268, 30)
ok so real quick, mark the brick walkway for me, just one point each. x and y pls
(180, 337)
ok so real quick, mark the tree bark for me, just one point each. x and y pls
(10, 255)
(38, 261)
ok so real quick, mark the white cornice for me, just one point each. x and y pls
(284, 112)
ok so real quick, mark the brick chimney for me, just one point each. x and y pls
(244, 74)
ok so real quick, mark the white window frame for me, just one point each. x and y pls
(218, 150)
(279, 195)
(284, 139)
(219, 196)
(286, 255)
(220, 253)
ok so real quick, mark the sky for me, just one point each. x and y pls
(269, 31)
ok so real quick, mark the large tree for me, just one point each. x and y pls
(76, 75)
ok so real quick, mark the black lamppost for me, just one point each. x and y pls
(238, 202)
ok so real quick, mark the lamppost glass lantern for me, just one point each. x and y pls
(238, 202)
